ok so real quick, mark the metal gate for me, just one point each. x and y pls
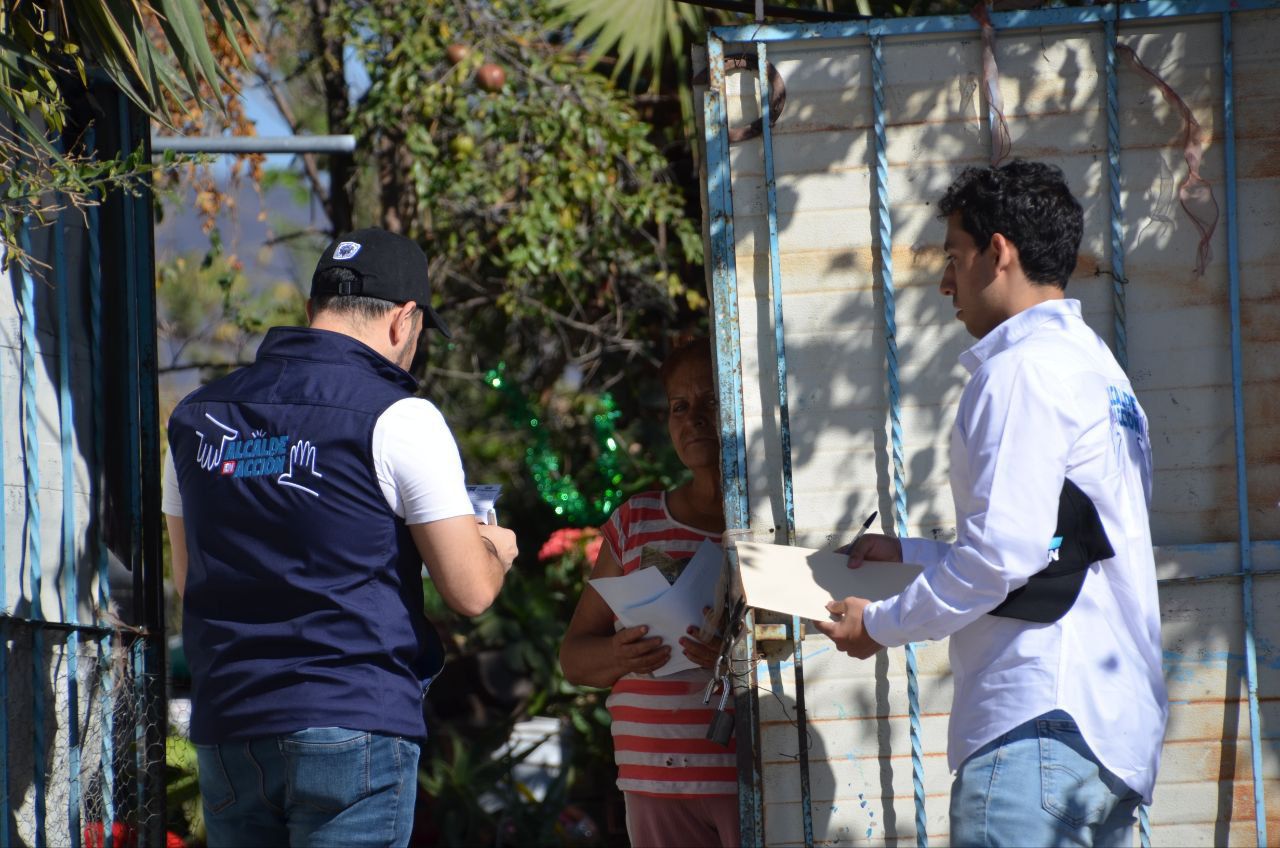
(82, 673)
(825, 207)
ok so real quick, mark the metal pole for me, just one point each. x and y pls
(784, 422)
(248, 144)
(733, 459)
(1237, 394)
(98, 555)
(67, 551)
(31, 464)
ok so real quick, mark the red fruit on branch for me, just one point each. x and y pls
(491, 77)
(457, 52)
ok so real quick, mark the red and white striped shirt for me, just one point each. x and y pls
(660, 723)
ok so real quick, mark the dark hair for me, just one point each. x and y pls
(351, 306)
(697, 349)
(1030, 205)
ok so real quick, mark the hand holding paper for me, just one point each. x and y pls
(802, 581)
(636, 652)
(849, 634)
(644, 597)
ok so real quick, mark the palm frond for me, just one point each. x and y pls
(643, 34)
(113, 35)
(183, 24)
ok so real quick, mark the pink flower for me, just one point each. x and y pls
(568, 540)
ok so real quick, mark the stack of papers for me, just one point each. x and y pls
(801, 581)
(645, 597)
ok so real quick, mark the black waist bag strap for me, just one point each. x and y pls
(1080, 541)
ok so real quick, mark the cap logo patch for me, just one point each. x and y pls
(346, 250)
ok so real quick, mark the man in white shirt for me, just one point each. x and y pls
(1048, 593)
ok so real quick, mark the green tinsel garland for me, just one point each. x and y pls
(559, 490)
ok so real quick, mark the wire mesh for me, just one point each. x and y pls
(57, 798)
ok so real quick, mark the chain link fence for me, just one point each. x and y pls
(82, 750)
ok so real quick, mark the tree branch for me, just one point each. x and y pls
(328, 48)
(309, 164)
(191, 366)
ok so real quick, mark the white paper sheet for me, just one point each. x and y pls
(639, 587)
(645, 597)
(801, 581)
(483, 497)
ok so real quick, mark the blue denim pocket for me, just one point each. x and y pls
(327, 767)
(216, 790)
(1070, 785)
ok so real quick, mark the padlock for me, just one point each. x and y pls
(706, 693)
(721, 729)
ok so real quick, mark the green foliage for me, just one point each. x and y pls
(35, 186)
(525, 625)
(212, 316)
(555, 231)
(559, 243)
(476, 799)
(46, 52)
(184, 812)
(41, 42)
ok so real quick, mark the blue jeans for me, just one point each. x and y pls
(324, 786)
(1040, 785)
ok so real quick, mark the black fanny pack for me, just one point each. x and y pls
(1079, 541)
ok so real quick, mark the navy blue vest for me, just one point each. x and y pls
(304, 597)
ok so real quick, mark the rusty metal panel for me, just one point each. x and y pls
(1178, 342)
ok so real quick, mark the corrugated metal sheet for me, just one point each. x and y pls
(1178, 340)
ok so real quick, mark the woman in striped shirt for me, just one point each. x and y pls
(680, 788)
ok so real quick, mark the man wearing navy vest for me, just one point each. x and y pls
(1048, 592)
(304, 493)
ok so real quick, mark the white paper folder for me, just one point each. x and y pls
(801, 581)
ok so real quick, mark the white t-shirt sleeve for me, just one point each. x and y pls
(170, 494)
(417, 463)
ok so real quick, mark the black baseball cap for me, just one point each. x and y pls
(388, 266)
(1080, 541)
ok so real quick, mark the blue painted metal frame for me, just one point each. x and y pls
(1237, 394)
(5, 840)
(99, 550)
(68, 558)
(1118, 280)
(153, 709)
(32, 542)
(133, 455)
(1033, 18)
(733, 460)
(140, 542)
(784, 420)
(725, 282)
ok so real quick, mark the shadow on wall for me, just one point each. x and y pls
(837, 387)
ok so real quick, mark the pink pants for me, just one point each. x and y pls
(707, 821)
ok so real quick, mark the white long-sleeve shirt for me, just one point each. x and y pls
(1045, 400)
